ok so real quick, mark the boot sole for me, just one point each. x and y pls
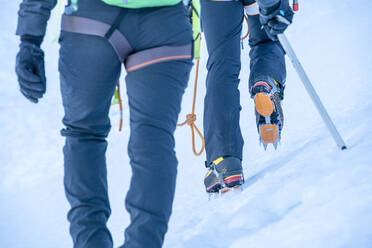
(232, 185)
(269, 133)
(265, 107)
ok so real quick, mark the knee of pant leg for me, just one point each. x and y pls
(222, 98)
(86, 117)
(151, 142)
(224, 70)
(85, 130)
(152, 157)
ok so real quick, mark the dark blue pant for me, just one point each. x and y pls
(222, 25)
(89, 71)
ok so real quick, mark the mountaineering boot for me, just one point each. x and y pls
(267, 96)
(211, 182)
(224, 173)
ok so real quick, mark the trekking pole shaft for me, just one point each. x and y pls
(311, 91)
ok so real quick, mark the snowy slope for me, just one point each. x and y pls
(305, 194)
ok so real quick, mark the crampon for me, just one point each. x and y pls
(269, 114)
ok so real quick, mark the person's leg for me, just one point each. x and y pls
(267, 56)
(89, 70)
(154, 95)
(266, 82)
(222, 24)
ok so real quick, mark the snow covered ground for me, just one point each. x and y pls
(305, 194)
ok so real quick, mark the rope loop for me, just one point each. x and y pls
(191, 118)
(193, 126)
(190, 121)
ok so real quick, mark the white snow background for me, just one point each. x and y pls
(305, 194)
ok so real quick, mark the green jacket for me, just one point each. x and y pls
(34, 14)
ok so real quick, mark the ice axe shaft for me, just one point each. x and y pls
(311, 91)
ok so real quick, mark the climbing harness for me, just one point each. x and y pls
(132, 60)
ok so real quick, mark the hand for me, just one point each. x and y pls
(276, 19)
(30, 71)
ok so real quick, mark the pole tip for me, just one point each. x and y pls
(295, 7)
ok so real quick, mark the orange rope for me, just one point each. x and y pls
(246, 35)
(120, 107)
(191, 118)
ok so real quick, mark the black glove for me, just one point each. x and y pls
(276, 19)
(30, 68)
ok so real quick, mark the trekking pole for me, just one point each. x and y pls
(311, 91)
